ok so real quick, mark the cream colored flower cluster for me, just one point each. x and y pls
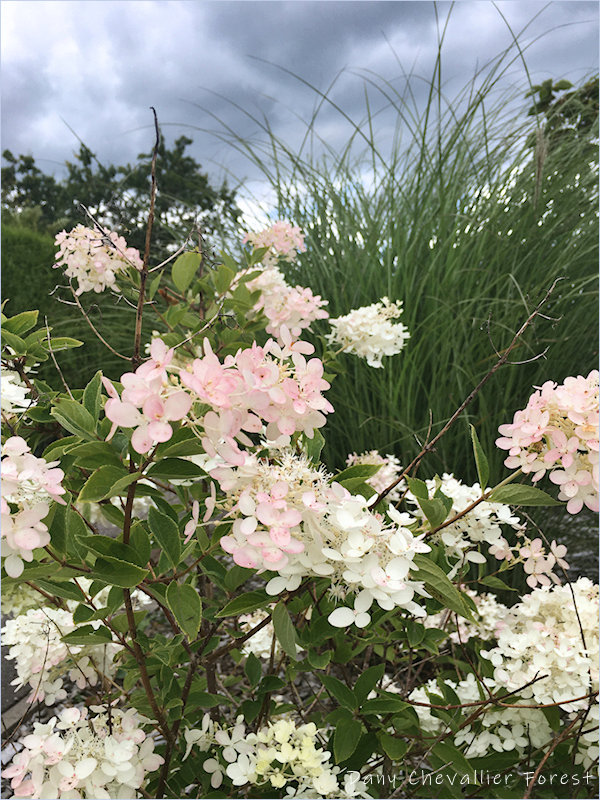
(280, 754)
(541, 640)
(497, 729)
(14, 394)
(369, 332)
(104, 756)
(262, 641)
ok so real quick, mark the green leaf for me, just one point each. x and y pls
(319, 660)
(92, 395)
(383, 705)
(223, 278)
(86, 634)
(166, 533)
(284, 630)
(20, 323)
(106, 546)
(106, 482)
(64, 343)
(312, 447)
(367, 681)
(253, 669)
(184, 269)
(140, 542)
(340, 691)
(345, 739)
(440, 587)
(495, 583)
(184, 601)
(481, 462)
(245, 603)
(115, 572)
(521, 495)
(363, 471)
(451, 757)
(434, 510)
(13, 341)
(69, 591)
(358, 486)
(394, 748)
(121, 621)
(154, 284)
(177, 468)
(92, 455)
(418, 488)
(74, 418)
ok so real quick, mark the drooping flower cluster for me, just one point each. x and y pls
(95, 259)
(149, 401)
(283, 239)
(294, 307)
(497, 729)
(487, 615)
(557, 433)
(14, 393)
(280, 754)
(107, 755)
(541, 638)
(482, 524)
(42, 660)
(369, 332)
(269, 384)
(388, 472)
(29, 484)
(289, 518)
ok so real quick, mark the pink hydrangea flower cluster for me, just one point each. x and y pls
(150, 401)
(94, 258)
(558, 433)
(75, 756)
(294, 307)
(271, 384)
(29, 484)
(284, 240)
(288, 517)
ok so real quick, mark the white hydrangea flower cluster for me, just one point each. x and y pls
(93, 258)
(289, 518)
(388, 472)
(294, 307)
(481, 525)
(28, 485)
(487, 615)
(14, 393)
(73, 756)
(262, 641)
(541, 638)
(497, 729)
(369, 332)
(281, 753)
(43, 661)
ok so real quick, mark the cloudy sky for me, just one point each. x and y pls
(96, 67)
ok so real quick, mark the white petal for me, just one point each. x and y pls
(363, 601)
(276, 585)
(342, 617)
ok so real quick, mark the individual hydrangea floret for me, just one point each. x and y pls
(369, 332)
(388, 472)
(541, 638)
(283, 239)
(94, 258)
(107, 755)
(557, 433)
(288, 517)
